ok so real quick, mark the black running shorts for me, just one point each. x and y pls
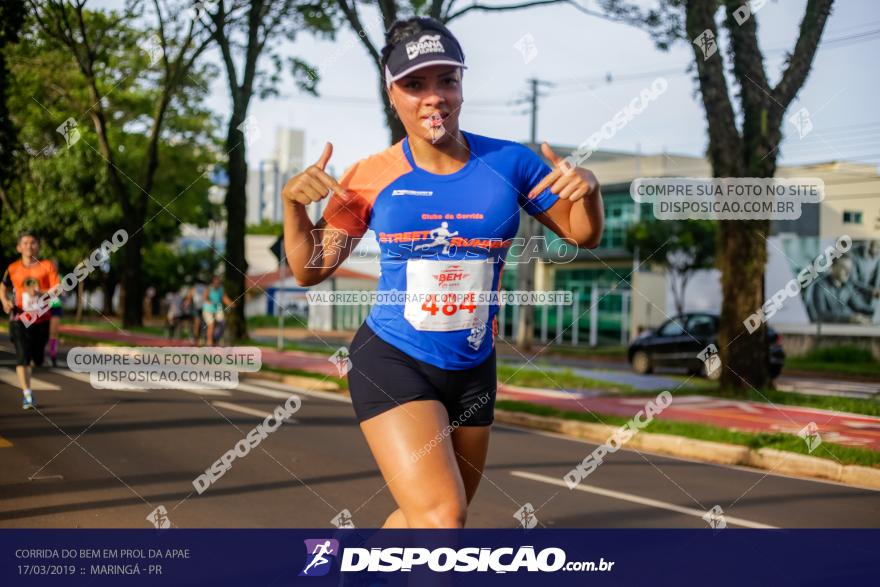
(383, 377)
(29, 341)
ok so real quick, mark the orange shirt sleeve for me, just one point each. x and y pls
(15, 280)
(53, 275)
(349, 213)
(363, 182)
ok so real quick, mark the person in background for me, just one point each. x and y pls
(833, 297)
(866, 271)
(212, 311)
(28, 336)
(172, 316)
(186, 312)
(198, 298)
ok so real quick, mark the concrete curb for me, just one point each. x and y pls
(777, 461)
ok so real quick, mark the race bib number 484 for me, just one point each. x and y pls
(440, 294)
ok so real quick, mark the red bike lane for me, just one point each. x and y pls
(836, 427)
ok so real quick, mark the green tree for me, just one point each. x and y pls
(744, 138)
(246, 32)
(168, 268)
(12, 14)
(678, 246)
(110, 53)
(65, 192)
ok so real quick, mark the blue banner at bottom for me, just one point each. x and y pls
(173, 557)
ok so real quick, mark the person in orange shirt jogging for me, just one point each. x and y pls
(28, 327)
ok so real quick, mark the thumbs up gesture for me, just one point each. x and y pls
(567, 182)
(313, 183)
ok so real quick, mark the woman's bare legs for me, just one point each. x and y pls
(471, 444)
(431, 478)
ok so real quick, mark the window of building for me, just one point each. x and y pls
(583, 279)
(619, 214)
(852, 217)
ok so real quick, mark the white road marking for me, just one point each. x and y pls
(82, 377)
(831, 389)
(87, 379)
(862, 425)
(249, 411)
(336, 397)
(702, 402)
(743, 468)
(637, 499)
(249, 388)
(835, 385)
(214, 392)
(9, 377)
(270, 383)
(506, 387)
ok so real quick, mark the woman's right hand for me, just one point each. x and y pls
(313, 183)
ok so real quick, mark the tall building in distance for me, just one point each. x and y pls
(289, 150)
(267, 178)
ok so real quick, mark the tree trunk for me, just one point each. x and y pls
(109, 288)
(678, 293)
(132, 307)
(236, 218)
(742, 260)
(80, 301)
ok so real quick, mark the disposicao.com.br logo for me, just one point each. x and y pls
(440, 560)
(320, 553)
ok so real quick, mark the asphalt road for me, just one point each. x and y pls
(106, 459)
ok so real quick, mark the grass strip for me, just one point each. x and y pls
(563, 379)
(845, 455)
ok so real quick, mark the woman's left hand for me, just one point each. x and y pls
(567, 182)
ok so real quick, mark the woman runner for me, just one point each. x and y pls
(444, 204)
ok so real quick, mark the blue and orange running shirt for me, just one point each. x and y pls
(443, 239)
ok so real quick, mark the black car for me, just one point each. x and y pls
(679, 342)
